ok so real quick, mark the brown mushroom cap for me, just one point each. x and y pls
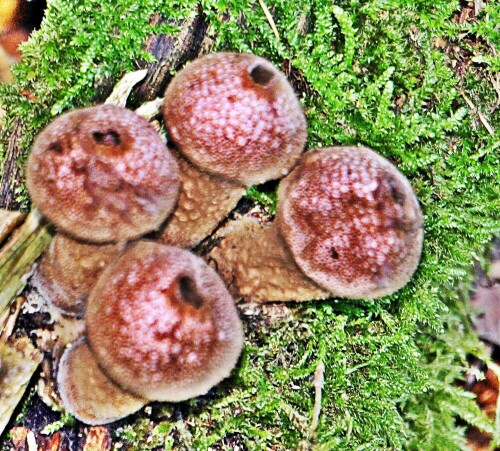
(352, 222)
(69, 270)
(102, 174)
(162, 324)
(236, 116)
(87, 393)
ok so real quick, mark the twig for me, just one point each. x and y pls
(319, 380)
(123, 88)
(31, 440)
(482, 118)
(269, 19)
(478, 6)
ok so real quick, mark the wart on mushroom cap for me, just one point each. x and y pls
(90, 172)
(162, 325)
(349, 221)
(236, 119)
(69, 270)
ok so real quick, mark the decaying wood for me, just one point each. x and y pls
(19, 360)
(18, 255)
(11, 174)
(171, 52)
(8, 222)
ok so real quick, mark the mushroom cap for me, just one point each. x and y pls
(351, 221)
(235, 115)
(69, 270)
(102, 174)
(87, 393)
(162, 324)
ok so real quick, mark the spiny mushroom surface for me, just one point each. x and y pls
(102, 174)
(349, 221)
(69, 269)
(162, 325)
(236, 119)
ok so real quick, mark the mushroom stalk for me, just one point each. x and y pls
(257, 265)
(347, 223)
(204, 201)
(69, 270)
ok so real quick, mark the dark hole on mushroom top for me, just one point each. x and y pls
(261, 75)
(334, 254)
(55, 147)
(397, 195)
(109, 138)
(189, 292)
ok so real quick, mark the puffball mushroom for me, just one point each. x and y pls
(235, 121)
(69, 270)
(102, 174)
(348, 224)
(87, 392)
(161, 325)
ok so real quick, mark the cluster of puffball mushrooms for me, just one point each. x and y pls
(161, 324)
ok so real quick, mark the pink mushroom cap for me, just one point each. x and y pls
(235, 115)
(102, 174)
(351, 221)
(162, 324)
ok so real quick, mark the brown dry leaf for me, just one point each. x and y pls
(478, 440)
(487, 393)
(5, 63)
(98, 439)
(487, 398)
(7, 12)
(19, 437)
(52, 443)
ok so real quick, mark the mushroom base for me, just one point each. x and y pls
(256, 266)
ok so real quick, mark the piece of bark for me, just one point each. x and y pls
(171, 52)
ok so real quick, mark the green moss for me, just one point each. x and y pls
(370, 72)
